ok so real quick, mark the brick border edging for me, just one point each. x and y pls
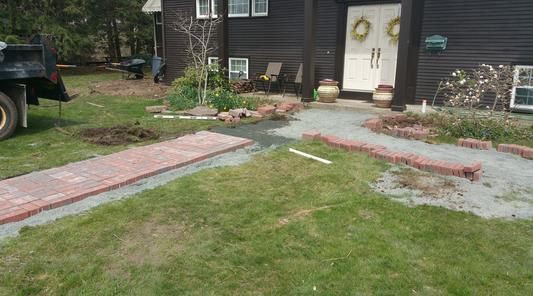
(37, 206)
(410, 132)
(473, 172)
(524, 151)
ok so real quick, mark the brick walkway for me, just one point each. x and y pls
(28, 195)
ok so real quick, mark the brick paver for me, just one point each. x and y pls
(25, 196)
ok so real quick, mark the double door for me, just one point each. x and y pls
(372, 61)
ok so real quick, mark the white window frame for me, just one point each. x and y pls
(239, 14)
(513, 97)
(212, 60)
(260, 13)
(247, 67)
(205, 16)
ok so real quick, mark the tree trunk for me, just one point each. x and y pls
(116, 39)
(110, 44)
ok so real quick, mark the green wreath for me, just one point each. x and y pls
(361, 36)
(394, 37)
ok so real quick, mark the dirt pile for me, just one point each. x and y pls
(118, 135)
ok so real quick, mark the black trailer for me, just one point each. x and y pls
(27, 72)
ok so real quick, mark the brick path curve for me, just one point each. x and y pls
(28, 195)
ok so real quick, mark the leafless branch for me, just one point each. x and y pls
(200, 44)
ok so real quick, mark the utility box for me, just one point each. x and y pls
(436, 43)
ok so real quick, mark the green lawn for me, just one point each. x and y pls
(41, 146)
(277, 225)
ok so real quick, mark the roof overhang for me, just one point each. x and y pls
(152, 6)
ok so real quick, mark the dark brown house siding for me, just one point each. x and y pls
(279, 37)
(174, 42)
(276, 38)
(479, 32)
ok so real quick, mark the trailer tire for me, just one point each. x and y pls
(8, 116)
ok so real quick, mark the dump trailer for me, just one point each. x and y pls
(27, 72)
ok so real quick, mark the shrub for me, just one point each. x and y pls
(185, 98)
(224, 100)
(184, 92)
(217, 79)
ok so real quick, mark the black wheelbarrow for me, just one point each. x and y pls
(132, 68)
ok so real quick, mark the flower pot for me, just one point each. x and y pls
(328, 91)
(383, 97)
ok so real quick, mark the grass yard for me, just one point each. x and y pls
(41, 146)
(277, 225)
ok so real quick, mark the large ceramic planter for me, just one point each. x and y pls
(328, 91)
(383, 96)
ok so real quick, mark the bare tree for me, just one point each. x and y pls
(200, 43)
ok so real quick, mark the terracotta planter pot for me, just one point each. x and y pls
(328, 91)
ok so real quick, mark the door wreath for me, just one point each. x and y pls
(394, 37)
(355, 33)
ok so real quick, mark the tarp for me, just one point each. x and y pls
(152, 6)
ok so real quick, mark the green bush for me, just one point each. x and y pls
(217, 78)
(224, 100)
(184, 91)
(189, 78)
(185, 98)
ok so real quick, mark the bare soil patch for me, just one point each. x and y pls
(145, 88)
(118, 135)
(429, 184)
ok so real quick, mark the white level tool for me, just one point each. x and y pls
(185, 117)
(310, 156)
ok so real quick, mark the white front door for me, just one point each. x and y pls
(372, 61)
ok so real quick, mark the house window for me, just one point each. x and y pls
(158, 18)
(204, 6)
(238, 68)
(212, 60)
(523, 91)
(259, 7)
(238, 8)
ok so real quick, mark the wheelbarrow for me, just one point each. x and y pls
(132, 68)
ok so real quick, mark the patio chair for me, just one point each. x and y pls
(296, 81)
(270, 77)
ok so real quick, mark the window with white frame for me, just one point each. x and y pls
(212, 60)
(203, 7)
(238, 8)
(238, 68)
(259, 7)
(523, 91)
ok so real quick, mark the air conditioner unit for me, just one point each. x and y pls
(522, 98)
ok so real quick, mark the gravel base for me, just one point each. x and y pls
(505, 191)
